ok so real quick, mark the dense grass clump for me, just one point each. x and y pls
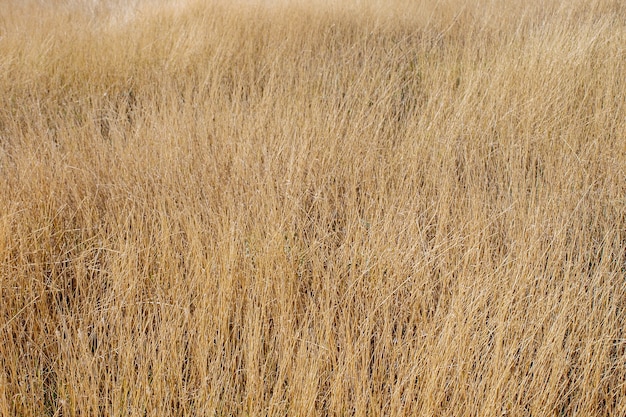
(289, 209)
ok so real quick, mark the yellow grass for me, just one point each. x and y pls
(331, 208)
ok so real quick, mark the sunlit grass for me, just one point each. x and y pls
(398, 208)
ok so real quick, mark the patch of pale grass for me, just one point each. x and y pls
(408, 208)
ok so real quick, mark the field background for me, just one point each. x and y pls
(350, 208)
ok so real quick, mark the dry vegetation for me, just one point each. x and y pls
(411, 208)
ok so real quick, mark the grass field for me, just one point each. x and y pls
(356, 208)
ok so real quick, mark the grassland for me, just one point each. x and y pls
(300, 209)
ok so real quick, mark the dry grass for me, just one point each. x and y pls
(406, 208)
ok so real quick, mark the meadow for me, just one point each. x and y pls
(290, 208)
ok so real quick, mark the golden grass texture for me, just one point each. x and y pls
(313, 209)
